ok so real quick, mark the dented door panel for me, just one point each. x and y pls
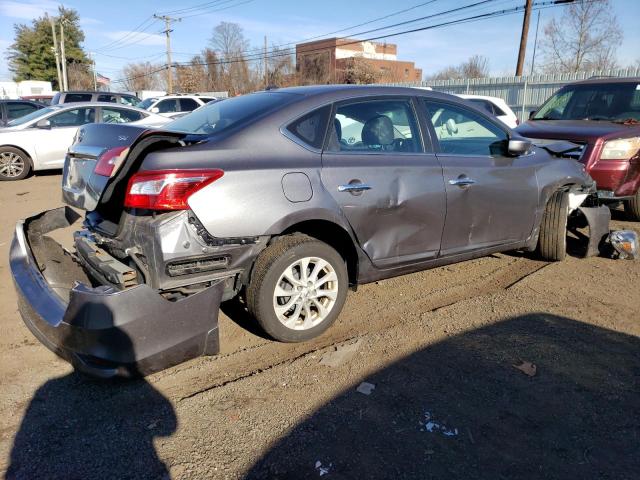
(499, 208)
(401, 217)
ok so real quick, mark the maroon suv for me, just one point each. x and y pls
(603, 117)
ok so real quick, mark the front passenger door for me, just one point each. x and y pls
(491, 197)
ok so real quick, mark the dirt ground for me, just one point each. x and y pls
(439, 347)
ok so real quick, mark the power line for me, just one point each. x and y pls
(110, 45)
(482, 16)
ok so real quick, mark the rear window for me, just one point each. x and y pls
(311, 127)
(77, 97)
(218, 116)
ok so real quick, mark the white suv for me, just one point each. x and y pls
(174, 105)
(495, 106)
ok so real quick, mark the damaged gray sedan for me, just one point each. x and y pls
(287, 197)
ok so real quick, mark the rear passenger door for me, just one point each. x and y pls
(386, 181)
(491, 197)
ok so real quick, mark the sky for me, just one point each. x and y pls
(290, 21)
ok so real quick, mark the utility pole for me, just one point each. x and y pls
(95, 75)
(523, 38)
(167, 32)
(65, 84)
(55, 49)
(266, 67)
(535, 44)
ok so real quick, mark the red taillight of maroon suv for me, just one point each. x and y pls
(167, 189)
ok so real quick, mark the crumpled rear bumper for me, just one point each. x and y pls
(102, 331)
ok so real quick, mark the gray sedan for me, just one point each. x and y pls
(287, 198)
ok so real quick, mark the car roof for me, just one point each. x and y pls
(354, 91)
(480, 97)
(98, 92)
(600, 80)
(60, 106)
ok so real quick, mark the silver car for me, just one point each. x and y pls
(40, 140)
(287, 198)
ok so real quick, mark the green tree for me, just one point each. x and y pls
(31, 56)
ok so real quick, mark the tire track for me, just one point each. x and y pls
(361, 316)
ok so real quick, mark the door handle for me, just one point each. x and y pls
(354, 187)
(462, 182)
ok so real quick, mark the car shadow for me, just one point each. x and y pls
(237, 312)
(77, 427)
(459, 409)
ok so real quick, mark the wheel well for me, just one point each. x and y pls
(333, 235)
(22, 150)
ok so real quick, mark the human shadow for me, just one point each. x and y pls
(77, 427)
(459, 409)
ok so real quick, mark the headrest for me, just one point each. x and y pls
(378, 131)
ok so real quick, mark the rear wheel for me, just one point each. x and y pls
(297, 288)
(552, 242)
(632, 207)
(14, 164)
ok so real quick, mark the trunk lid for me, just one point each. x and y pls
(82, 187)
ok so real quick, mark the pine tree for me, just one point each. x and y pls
(31, 56)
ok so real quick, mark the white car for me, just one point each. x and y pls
(174, 105)
(40, 140)
(496, 107)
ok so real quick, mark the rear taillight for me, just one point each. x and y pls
(167, 189)
(108, 160)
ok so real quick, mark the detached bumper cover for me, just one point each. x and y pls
(100, 330)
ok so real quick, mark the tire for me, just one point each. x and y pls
(280, 265)
(632, 207)
(552, 242)
(14, 164)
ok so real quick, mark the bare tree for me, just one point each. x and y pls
(584, 38)
(476, 66)
(359, 71)
(281, 69)
(80, 76)
(142, 76)
(229, 42)
(313, 68)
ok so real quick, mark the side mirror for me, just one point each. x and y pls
(518, 146)
(531, 114)
(45, 124)
(155, 110)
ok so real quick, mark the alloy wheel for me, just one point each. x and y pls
(305, 293)
(11, 164)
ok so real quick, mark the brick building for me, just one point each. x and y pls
(334, 60)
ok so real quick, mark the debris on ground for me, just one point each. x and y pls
(323, 470)
(428, 425)
(366, 388)
(527, 368)
(340, 354)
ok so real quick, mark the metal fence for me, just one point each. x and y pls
(523, 94)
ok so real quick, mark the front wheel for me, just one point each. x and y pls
(632, 207)
(14, 164)
(552, 242)
(298, 288)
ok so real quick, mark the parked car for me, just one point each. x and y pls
(174, 106)
(43, 99)
(88, 96)
(40, 140)
(12, 109)
(602, 116)
(263, 194)
(495, 106)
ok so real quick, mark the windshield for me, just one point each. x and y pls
(146, 103)
(31, 116)
(593, 101)
(217, 116)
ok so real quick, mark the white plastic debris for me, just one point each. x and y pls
(366, 388)
(323, 470)
(434, 427)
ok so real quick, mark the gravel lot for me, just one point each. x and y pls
(439, 346)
